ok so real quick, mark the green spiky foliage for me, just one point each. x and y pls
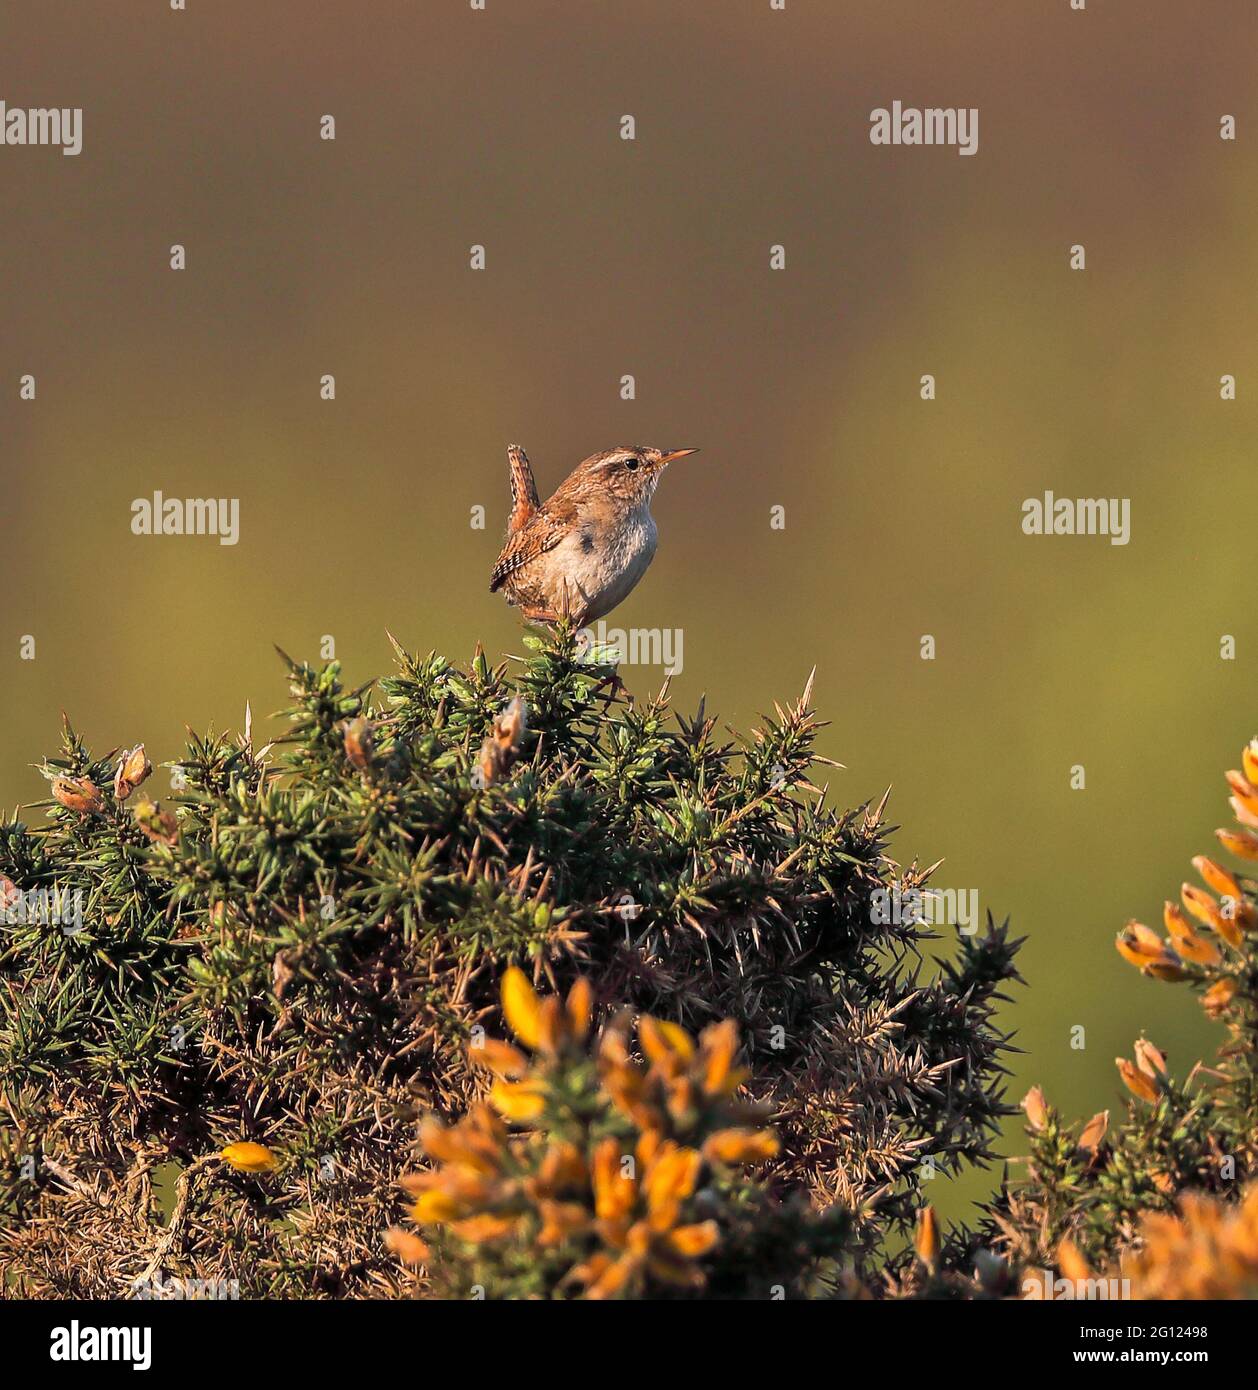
(295, 946)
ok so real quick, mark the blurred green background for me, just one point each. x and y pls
(651, 258)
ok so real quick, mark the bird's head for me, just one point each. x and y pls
(630, 472)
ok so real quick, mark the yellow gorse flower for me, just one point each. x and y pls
(1229, 916)
(1202, 906)
(1071, 1262)
(1242, 843)
(248, 1157)
(616, 1181)
(545, 1025)
(521, 1007)
(1244, 795)
(1143, 947)
(1209, 1250)
(1216, 999)
(1249, 761)
(1187, 943)
(1217, 877)
(742, 1145)
(518, 1100)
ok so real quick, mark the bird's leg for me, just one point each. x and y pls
(539, 615)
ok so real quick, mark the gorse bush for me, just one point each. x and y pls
(294, 949)
(1102, 1199)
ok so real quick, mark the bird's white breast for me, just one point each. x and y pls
(605, 562)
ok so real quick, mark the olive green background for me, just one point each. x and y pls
(606, 257)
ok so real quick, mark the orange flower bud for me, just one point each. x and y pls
(552, 1025)
(1186, 941)
(563, 1167)
(1036, 1108)
(1249, 761)
(485, 1226)
(1139, 945)
(1217, 998)
(671, 1179)
(1136, 1081)
(580, 1008)
(359, 742)
(614, 1194)
(501, 1058)
(1244, 791)
(1242, 812)
(719, 1043)
(665, 1044)
(1217, 877)
(561, 1220)
(1202, 906)
(502, 745)
(1094, 1132)
(926, 1241)
(692, 1241)
(407, 1247)
(1071, 1263)
(1241, 843)
(736, 1146)
(133, 768)
(1230, 926)
(1144, 948)
(160, 825)
(77, 794)
(1149, 1059)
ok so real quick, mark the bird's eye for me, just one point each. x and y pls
(631, 464)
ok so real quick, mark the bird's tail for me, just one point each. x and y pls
(523, 488)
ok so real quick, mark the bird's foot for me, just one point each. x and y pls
(541, 615)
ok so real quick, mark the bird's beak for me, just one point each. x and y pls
(670, 454)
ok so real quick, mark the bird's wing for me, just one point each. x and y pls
(542, 533)
(523, 489)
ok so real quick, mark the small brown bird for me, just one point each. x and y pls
(581, 552)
